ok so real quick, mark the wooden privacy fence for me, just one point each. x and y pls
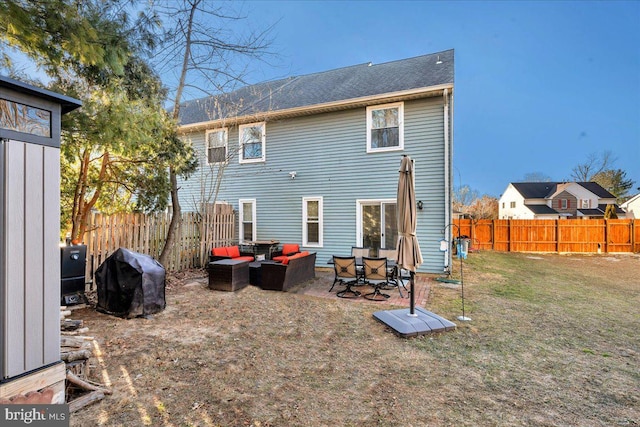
(146, 234)
(547, 235)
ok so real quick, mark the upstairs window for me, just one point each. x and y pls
(385, 127)
(564, 204)
(512, 204)
(252, 143)
(217, 146)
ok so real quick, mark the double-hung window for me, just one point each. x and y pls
(312, 221)
(385, 127)
(247, 220)
(216, 146)
(252, 143)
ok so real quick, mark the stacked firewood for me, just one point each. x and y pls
(75, 351)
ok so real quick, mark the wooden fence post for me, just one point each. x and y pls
(493, 235)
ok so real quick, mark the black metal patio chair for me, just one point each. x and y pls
(346, 275)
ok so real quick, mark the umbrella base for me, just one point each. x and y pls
(422, 322)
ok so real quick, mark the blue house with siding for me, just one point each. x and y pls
(314, 159)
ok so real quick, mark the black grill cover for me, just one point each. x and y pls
(130, 284)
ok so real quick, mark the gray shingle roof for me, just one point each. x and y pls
(535, 190)
(542, 190)
(542, 209)
(597, 189)
(358, 81)
(591, 212)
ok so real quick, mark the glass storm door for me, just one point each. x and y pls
(379, 225)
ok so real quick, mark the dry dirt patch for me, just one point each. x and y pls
(553, 342)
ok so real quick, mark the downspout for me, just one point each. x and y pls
(447, 177)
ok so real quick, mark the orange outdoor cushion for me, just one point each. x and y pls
(233, 251)
(285, 261)
(289, 248)
(244, 258)
(279, 258)
(220, 251)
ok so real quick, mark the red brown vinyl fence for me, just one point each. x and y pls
(542, 235)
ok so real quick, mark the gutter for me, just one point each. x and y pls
(448, 146)
(431, 91)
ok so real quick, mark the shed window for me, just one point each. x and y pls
(564, 203)
(385, 127)
(25, 118)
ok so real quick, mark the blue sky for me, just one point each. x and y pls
(538, 85)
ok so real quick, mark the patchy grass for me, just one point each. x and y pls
(553, 342)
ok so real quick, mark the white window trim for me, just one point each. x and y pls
(254, 232)
(400, 106)
(359, 205)
(264, 142)
(226, 144)
(305, 237)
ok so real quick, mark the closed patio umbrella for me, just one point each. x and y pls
(409, 255)
(412, 322)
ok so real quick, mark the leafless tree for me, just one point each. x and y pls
(212, 46)
(485, 207)
(463, 196)
(593, 165)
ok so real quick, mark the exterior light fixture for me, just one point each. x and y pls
(420, 205)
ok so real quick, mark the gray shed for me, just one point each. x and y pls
(30, 238)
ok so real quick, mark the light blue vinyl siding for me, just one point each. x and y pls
(328, 153)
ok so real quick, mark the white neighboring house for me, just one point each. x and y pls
(632, 207)
(555, 200)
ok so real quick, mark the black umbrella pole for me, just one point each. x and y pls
(412, 310)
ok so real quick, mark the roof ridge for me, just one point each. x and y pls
(413, 57)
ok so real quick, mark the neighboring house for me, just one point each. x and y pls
(314, 159)
(555, 200)
(632, 207)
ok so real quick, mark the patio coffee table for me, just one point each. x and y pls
(228, 275)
